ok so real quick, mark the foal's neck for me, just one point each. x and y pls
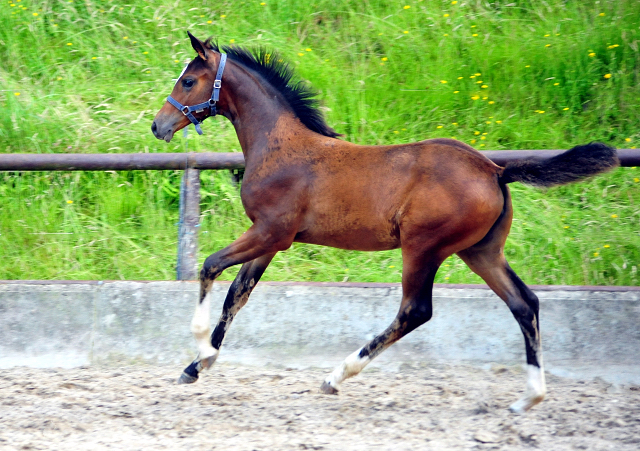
(256, 109)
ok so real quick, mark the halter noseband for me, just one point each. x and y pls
(211, 103)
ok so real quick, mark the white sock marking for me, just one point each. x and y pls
(351, 366)
(201, 329)
(535, 391)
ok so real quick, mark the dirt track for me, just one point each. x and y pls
(247, 408)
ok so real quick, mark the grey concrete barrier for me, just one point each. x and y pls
(586, 331)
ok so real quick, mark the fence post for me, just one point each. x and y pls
(186, 267)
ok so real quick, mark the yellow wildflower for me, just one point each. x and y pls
(592, 54)
(614, 216)
(443, 81)
(407, 7)
(446, 15)
(607, 76)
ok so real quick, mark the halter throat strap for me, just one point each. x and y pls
(211, 103)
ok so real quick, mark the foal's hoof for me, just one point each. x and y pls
(186, 379)
(327, 389)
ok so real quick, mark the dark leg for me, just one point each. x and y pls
(237, 296)
(415, 310)
(487, 260)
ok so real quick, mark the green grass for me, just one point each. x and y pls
(89, 77)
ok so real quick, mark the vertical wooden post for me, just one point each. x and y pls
(187, 265)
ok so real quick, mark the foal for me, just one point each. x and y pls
(432, 199)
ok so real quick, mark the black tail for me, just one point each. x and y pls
(570, 166)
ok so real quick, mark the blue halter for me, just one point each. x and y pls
(211, 103)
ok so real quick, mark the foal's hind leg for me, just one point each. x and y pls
(415, 310)
(237, 296)
(487, 260)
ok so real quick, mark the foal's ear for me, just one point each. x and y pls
(198, 46)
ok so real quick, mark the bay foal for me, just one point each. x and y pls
(431, 198)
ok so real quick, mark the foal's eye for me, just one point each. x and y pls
(187, 83)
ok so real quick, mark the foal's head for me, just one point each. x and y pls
(194, 87)
(251, 78)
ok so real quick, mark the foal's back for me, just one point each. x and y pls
(376, 197)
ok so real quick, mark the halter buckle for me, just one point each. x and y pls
(185, 110)
(217, 84)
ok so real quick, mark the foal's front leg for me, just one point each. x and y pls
(255, 249)
(209, 344)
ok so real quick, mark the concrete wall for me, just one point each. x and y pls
(586, 332)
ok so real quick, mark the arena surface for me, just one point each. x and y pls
(452, 407)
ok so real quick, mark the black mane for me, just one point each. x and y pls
(280, 75)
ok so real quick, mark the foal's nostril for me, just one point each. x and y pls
(154, 128)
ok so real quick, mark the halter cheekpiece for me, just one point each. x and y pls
(211, 103)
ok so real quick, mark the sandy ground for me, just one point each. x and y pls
(248, 408)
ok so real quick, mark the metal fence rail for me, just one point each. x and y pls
(209, 160)
(192, 163)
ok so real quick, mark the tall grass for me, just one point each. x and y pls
(89, 77)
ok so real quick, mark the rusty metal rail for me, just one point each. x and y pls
(209, 160)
